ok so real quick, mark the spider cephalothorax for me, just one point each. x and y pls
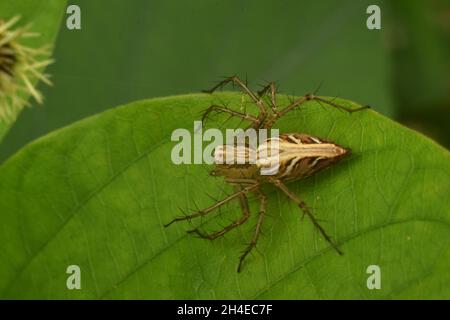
(20, 65)
(277, 161)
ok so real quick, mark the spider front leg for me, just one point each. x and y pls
(235, 80)
(308, 97)
(273, 89)
(252, 244)
(245, 215)
(232, 113)
(308, 213)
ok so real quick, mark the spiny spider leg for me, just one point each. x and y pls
(216, 205)
(338, 106)
(245, 215)
(252, 244)
(273, 89)
(259, 102)
(269, 123)
(306, 211)
(219, 109)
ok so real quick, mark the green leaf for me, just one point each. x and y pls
(96, 194)
(44, 18)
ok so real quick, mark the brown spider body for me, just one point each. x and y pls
(297, 156)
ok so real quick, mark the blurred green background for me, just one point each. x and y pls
(129, 50)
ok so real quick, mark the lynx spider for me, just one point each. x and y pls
(302, 155)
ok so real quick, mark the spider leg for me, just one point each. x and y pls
(307, 212)
(252, 244)
(308, 97)
(215, 206)
(270, 86)
(245, 215)
(222, 109)
(257, 100)
(335, 105)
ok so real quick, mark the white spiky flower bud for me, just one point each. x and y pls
(20, 66)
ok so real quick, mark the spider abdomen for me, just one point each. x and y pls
(290, 156)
